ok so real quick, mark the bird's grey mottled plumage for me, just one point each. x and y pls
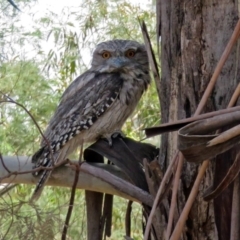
(97, 103)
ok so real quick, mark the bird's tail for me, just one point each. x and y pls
(40, 185)
(39, 159)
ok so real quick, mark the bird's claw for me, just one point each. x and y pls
(116, 134)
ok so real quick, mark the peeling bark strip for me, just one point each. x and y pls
(193, 36)
(174, 126)
(198, 142)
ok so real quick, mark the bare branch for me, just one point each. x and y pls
(94, 177)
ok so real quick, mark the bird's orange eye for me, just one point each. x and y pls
(130, 53)
(106, 55)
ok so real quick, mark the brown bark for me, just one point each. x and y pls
(193, 36)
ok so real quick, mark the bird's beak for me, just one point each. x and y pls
(118, 62)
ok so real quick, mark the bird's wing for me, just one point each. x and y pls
(75, 87)
(82, 104)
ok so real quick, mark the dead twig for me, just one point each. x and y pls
(230, 176)
(167, 175)
(235, 217)
(128, 219)
(235, 96)
(72, 197)
(70, 206)
(5, 167)
(12, 219)
(7, 189)
(174, 196)
(225, 136)
(10, 100)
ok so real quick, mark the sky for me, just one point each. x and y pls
(37, 9)
(43, 6)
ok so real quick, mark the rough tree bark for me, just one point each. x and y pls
(193, 35)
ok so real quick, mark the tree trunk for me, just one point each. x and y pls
(194, 35)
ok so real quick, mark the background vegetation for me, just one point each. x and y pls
(42, 51)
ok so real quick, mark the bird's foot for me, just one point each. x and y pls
(115, 134)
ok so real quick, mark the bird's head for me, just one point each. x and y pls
(119, 56)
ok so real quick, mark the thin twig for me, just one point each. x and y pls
(234, 235)
(3, 163)
(184, 215)
(159, 192)
(174, 196)
(70, 206)
(12, 219)
(128, 219)
(225, 136)
(235, 96)
(72, 197)
(7, 189)
(219, 67)
(10, 100)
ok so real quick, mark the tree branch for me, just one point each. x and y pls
(94, 177)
